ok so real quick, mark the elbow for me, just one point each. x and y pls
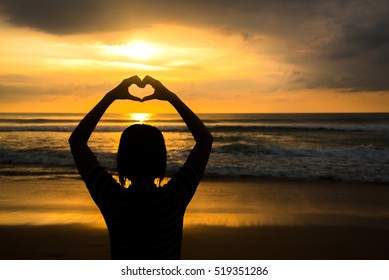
(78, 138)
(205, 140)
(208, 139)
(71, 140)
(74, 140)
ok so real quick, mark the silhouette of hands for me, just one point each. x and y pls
(121, 91)
(160, 91)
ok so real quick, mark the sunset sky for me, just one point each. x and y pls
(219, 56)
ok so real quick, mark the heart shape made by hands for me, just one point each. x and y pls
(140, 92)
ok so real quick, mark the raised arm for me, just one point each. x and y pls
(82, 154)
(199, 155)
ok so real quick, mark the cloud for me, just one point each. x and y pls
(341, 45)
(357, 59)
(26, 92)
(83, 16)
(54, 16)
(9, 93)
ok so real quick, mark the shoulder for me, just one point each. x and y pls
(100, 183)
(186, 180)
(95, 175)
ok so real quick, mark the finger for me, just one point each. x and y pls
(142, 84)
(148, 97)
(137, 81)
(135, 98)
(133, 80)
(149, 81)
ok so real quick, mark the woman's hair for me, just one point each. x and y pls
(141, 154)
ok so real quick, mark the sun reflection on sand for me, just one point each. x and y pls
(225, 219)
(239, 203)
(52, 218)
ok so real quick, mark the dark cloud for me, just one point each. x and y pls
(11, 93)
(82, 16)
(331, 44)
(25, 92)
(73, 17)
(355, 60)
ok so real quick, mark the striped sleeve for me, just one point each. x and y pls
(100, 185)
(186, 181)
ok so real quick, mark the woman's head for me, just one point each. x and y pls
(141, 154)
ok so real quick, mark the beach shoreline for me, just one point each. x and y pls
(241, 218)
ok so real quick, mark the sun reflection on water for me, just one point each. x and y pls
(140, 117)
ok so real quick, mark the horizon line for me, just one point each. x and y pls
(204, 113)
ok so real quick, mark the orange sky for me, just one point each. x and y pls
(213, 63)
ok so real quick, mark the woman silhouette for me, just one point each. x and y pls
(144, 221)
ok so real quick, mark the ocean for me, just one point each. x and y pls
(265, 169)
(340, 147)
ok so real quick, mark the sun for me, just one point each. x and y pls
(135, 49)
(140, 117)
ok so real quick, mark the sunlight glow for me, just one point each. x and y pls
(140, 117)
(135, 49)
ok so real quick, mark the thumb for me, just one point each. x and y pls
(135, 98)
(148, 97)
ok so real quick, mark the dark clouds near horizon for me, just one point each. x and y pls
(342, 45)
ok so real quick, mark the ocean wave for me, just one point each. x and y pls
(49, 121)
(365, 151)
(37, 121)
(294, 128)
(365, 163)
(336, 147)
(60, 158)
(213, 128)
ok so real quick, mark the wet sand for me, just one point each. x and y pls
(227, 219)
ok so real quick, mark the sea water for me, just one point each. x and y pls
(342, 147)
(39, 183)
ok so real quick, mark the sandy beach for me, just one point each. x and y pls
(227, 219)
(205, 242)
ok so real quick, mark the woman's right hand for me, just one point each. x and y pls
(160, 91)
(121, 91)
